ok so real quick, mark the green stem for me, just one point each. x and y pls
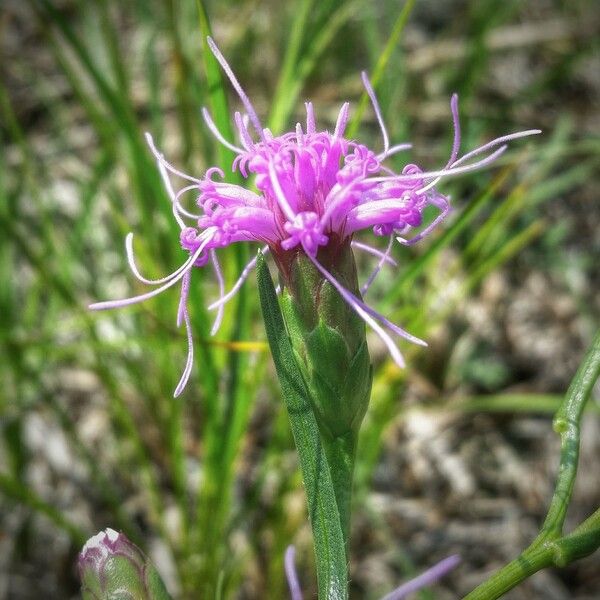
(341, 453)
(583, 541)
(512, 574)
(573, 547)
(542, 554)
(567, 424)
(592, 523)
(550, 547)
(331, 562)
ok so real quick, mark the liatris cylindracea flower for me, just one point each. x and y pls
(425, 579)
(315, 191)
(112, 567)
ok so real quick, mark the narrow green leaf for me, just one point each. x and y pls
(226, 420)
(381, 65)
(325, 519)
(217, 97)
(280, 105)
(20, 493)
(307, 64)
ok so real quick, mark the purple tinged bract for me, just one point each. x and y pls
(313, 189)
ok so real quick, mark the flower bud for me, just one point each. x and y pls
(112, 568)
(327, 335)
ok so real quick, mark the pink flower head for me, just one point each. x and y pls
(314, 189)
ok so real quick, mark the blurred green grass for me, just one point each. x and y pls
(76, 176)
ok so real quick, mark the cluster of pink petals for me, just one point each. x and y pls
(311, 186)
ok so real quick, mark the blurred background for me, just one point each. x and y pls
(457, 452)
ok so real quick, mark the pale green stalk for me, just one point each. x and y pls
(551, 546)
